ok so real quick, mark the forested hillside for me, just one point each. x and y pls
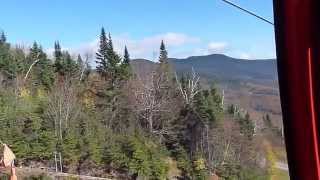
(110, 121)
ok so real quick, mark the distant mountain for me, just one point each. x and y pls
(220, 68)
(143, 67)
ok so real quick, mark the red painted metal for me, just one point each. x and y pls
(297, 32)
(313, 112)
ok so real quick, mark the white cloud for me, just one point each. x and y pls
(179, 45)
(148, 47)
(217, 47)
(139, 48)
(211, 48)
(171, 39)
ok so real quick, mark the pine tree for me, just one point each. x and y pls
(164, 70)
(110, 44)
(207, 105)
(80, 64)
(7, 62)
(18, 61)
(69, 65)
(34, 50)
(45, 71)
(42, 72)
(57, 50)
(64, 64)
(125, 64)
(58, 58)
(3, 38)
(113, 63)
(33, 53)
(108, 61)
(267, 121)
(126, 57)
(101, 55)
(79, 60)
(163, 58)
(247, 126)
(112, 57)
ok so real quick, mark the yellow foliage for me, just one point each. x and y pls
(41, 93)
(88, 101)
(275, 174)
(174, 171)
(199, 164)
(25, 93)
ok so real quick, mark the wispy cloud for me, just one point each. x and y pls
(146, 47)
(212, 47)
(179, 45)
(217, 47)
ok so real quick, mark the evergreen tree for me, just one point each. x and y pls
(3, 38)
(112, 57)
(64, 64)
(79, 60)
(34, 53)
(69, 65)
(58, 58)
(247, 126)
(80, 64)
(57, 50)
(45, 71)
(101, 55)
(108, 61)
(267, 121)
(42, 72)
(126, 57)
(163, 58)
(7, 64)
(208, 105)
(165, 71)
(113, 63)
(125, 64)
(18, 61)
(231, 109)
(110, 44)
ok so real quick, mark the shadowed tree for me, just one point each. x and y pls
(126, 57)
(125, 65)
(163, 58)
(3, 38)
(58, 58)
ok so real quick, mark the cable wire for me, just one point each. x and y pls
(248, 12)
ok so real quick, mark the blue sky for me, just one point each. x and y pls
(189, 27)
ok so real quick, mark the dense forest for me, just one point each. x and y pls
(108, 120)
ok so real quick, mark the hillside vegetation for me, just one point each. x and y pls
(249, 84)
(112, 121)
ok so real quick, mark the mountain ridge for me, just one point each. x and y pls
(221, 68)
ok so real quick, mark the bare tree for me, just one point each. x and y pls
(228, 146)
(84, 67)
(191, 89)
(151, 99)
(30, 68)
(63, 106)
